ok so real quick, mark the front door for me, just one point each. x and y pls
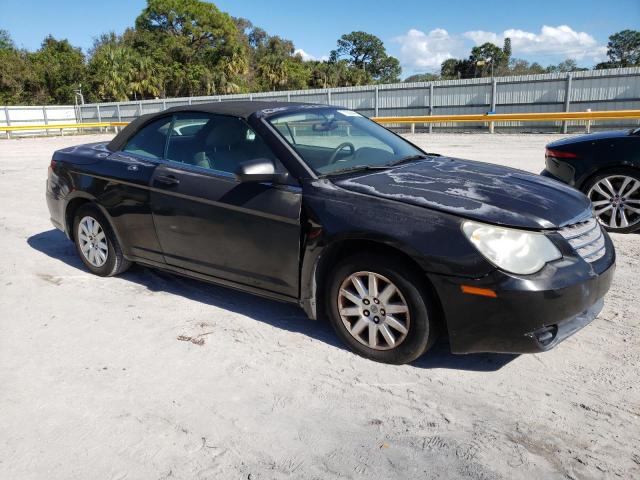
(208, 222)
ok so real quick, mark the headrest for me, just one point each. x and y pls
(226, 131)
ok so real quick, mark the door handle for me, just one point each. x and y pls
(167, 180)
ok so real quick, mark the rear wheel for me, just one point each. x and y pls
(381, 309)
(615, 196)
(96, 243)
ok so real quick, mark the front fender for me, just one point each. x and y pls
(433, 240)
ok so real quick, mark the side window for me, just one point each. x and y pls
(215, 142)
(150, 140)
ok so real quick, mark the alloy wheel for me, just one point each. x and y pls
(92, 241)
(373, 310)
(616, 201)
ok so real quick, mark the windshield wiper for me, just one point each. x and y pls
(408, 158)
(358, 168)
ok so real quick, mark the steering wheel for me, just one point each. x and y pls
(334, 155)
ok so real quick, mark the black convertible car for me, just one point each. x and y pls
(320, 206)
(606, 167)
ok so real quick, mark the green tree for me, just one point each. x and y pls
(623, 48)
(422, 77)
(18, 81)
(453, 68)
(6, 42)
(518, 66)
(365, 51)
(568, 65)
(60, 68)
(277, 66)
(506, 49)
(328, 74)
(489, 59)
(193, 42)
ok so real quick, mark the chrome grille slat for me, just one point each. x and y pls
(586, 238)
(591, 248)
(578, 229)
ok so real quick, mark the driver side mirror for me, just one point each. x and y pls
(259, 170)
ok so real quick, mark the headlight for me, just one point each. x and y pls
(516, 251)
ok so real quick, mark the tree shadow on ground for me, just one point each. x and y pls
(55, 244)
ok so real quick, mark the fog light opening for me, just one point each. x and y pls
(546, 335)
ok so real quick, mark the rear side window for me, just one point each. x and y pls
(150, 140)
(215, 142)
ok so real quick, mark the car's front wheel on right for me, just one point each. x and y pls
(381, 308)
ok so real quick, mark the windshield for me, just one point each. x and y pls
(333, 141)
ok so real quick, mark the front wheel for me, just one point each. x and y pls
(380, 307)
(615, 197)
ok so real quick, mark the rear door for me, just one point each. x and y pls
(210, 223)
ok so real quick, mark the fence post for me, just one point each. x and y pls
(6, 117)
(139, 108)
(588, 124)
(494, 88)
(99, 116)
(430, 106)
(328, 97)
(119, 116)
(288, 96)
(251, 97)
(567, 101)
(375, 105)
(46, 119)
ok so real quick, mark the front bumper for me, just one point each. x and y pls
(531, 313)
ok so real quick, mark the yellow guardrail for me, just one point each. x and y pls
(60, 126)
(482, 118)
(514, 117)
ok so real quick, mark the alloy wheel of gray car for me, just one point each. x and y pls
(93, 241)
(616, 202)
(373, 310)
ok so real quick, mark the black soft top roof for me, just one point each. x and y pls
(241, 109)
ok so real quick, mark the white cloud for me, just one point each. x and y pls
(420, 51)
(561, 41)
(480, 36)
(308, 57)
(424, 52)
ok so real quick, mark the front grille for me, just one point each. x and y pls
(586, 238)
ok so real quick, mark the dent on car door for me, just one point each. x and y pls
(210, 223)
(127, 197)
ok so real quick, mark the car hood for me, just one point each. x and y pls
(475, 190)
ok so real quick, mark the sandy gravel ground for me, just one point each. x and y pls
(149, 376)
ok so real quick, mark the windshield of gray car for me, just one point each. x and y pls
(333, 141)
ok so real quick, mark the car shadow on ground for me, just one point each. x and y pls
(55, 244)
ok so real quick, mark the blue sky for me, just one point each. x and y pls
(420, 33)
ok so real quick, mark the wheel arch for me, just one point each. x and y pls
(609, 168)
(312, 297)
(78, 201)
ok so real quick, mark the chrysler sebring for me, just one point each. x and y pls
(322, 207)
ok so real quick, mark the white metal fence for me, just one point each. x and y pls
(615, 89)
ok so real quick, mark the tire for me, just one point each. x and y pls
(411, 291)
(619, 214)
(107, 259)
